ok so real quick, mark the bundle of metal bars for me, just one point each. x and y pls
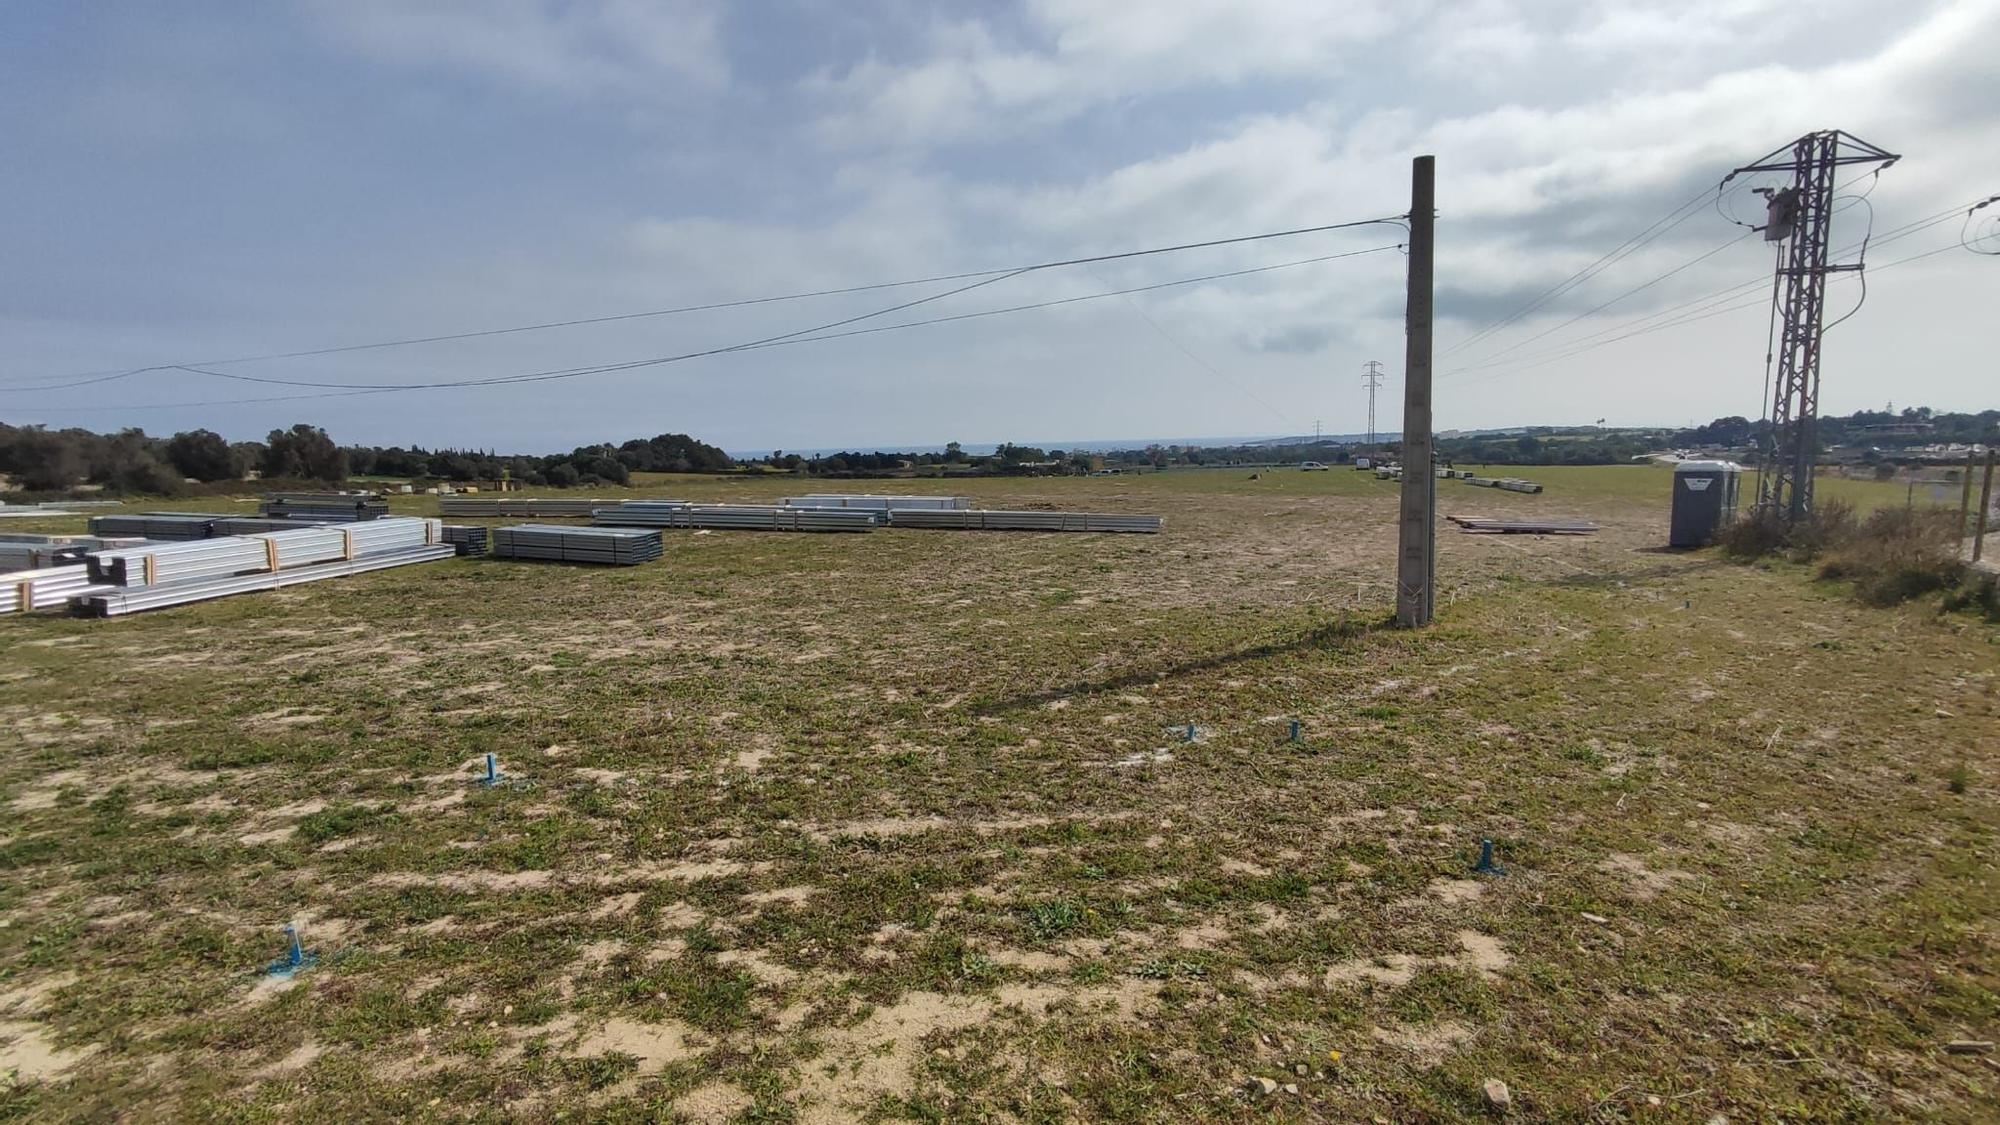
(469, 538)
(1487, 525)
(324, 507)
(81, 504)
(118, 601)
(516, 506)
(1022, 521)
(36, 556)
(168, 564)
(878, 503)
(22, 551)
(615, 546)
(44, 588)
(158, 525)
(735, 517)
(252, 525)
(1511, 484)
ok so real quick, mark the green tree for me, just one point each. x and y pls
(203, 455)
(305, 452)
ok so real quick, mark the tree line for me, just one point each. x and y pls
(37, 459)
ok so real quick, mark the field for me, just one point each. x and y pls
(911, 826)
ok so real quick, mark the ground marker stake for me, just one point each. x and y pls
(1188, 736)
(493, 774)
(1486, 866)
(1295, 730)
(296, 959)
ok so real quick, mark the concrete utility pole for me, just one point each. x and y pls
(1985, 505)
(1416, 556)
(1965, 490)
(1372, 380)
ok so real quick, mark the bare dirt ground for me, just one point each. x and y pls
(909, 825)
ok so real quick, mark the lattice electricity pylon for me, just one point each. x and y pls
(1801, 216)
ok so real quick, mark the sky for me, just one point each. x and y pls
(204, 182)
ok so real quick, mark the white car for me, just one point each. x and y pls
(1313, 466)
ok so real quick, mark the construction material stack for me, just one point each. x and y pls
(152, 576)
(324, 507)
(529, 506)
(1022, 521)
(612, 546)
(156, 525)
(735, 517)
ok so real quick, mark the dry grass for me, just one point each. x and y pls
(905, 825)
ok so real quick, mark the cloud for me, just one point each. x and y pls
(578, 47)
(1073, 55)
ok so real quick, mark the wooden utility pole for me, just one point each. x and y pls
(1416, 557)
(1985, 505)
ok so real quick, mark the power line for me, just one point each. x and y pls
(1759, 301)
(89, 378)
(1610, 258)
(1189, 352)
(1707, 300)
(807, 339)
(1660, 226)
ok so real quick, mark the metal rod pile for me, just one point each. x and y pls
(120, 600)
(252, 525)
(516, 506)
(469, 538)
(166, 564)
(615, 546)
(324, 507)
(1022, 521)
(878, 503)
(157, 525)
(20, 551)
(735, 517)
(1485, 525)
(1510, 484)
(44, 588)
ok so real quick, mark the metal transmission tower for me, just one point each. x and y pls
(1372, 380)
(1801, 217)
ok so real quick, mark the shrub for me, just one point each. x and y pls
(1897, 554)
(1978, 592)
(1763, 532)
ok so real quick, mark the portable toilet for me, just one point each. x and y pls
(1704, 501)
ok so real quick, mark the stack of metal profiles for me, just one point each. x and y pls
(878, 503)
(1511, 484)
(1487, 525)
(736, 517)
(1022, 521)
(23, 551)
(469, 538)
(37, 556)
(81, 504)
(252, 525)
(176, 573)
(516, 506)
(44, 588)
(157, 525)
(1390, 472)
(614, 546)
(324, 507)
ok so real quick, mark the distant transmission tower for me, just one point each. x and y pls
(1372, 380)
(1801, 217)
